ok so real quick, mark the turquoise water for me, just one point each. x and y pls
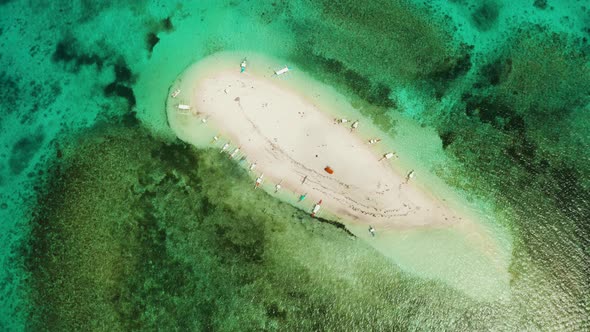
(99, 213)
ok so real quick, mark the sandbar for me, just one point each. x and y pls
(291, 131)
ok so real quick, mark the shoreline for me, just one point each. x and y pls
(291, 136)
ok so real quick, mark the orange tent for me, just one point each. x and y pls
(329, 170)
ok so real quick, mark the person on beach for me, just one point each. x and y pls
(243, 66)
(372, 231)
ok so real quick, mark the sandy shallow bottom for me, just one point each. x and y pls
(287, 128)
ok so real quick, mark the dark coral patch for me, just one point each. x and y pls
(488, 110)
(152, 38)
(123, 73)
(67, 51)
(454, 67)
(451, 69)
(166, 24)
(120, 88)
(497, 71)
(151, 41)
(23, 151)
(116, 89)
(374, 93)
(9, 93)
(485, 16)
(447, 138)
(540, 4)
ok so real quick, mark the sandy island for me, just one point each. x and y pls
(291, 133)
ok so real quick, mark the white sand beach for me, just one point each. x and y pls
(292, 135)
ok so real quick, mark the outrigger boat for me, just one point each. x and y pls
(410, 175)
(236, 150)
(183, 109)
(175, 93)
(282, 70)
(316, 208)
(374, 140)
(259, 181)
(278, 186)
(388, 155)
(354, 125)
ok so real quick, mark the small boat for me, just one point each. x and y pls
(252, 166)
(388, 155)
(343, 120)
(316, 208)
(302, 197)
(231, 156)
(224, 147)
(329, 170)
(183, 109)
(354, 125)
(374, 140)
(410, 175)
(282, 71)
(259, 181)
(243, 66)
(175, 93)
(278, 186)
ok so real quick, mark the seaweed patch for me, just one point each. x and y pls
(23, 152)
(67, 51)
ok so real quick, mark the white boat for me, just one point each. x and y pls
(282, 70)
(410, 175)
(184, 107)
(175, 93)
(259, 181)
(374, 140)
(316, 208)
(278, 186)
(388, 155)
(252, 166)
(231, 156)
